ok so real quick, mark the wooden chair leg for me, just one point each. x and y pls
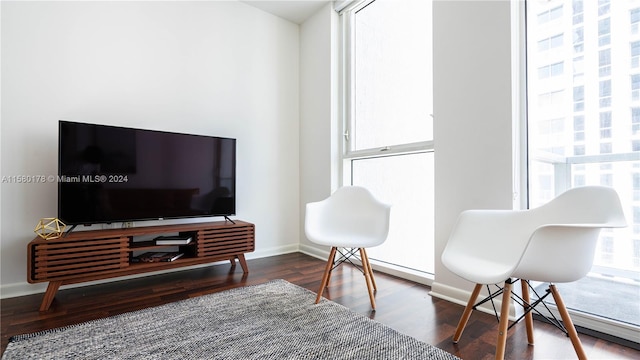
(366, 256)
(568, 324)
(332, 260)
(467, 313)
(327, 272)
(529, 316)
(504, 321)
(366, 267)
(333, 264)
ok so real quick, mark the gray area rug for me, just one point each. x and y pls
(275, 320)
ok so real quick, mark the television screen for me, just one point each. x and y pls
(115, 174)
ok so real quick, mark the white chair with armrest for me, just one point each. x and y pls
(351, 219)
(553, 243)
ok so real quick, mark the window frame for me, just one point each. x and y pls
(347, 157)
(348, 98)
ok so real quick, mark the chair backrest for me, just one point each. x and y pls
(554, 242)
(351, 212)
(562, 248)
(597, 205)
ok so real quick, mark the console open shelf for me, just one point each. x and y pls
(100, 254)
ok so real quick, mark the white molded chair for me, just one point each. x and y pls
(553, 243)
(353, 219)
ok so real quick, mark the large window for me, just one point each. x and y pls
(388, 127)
(596, 141)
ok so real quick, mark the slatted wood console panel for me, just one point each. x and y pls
(100, 254)
(62, 259)
(228, 241)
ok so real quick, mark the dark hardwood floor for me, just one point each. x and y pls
(403, 305)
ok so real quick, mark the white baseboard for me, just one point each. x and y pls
(21, 289)
(25, 288)
(315, 252)
(461, 297)
(278, 250)
(377, 266)
(606, 326)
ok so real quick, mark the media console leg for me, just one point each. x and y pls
(243, 263)
(49, 295)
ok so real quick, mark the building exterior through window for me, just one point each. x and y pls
(583, 122)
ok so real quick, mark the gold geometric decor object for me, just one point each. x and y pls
(50, 228)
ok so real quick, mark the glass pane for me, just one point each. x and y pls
(595, 143)
(392, 74)
(406, 182)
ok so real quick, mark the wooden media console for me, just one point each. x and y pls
(100, 254)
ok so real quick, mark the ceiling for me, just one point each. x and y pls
(296, 11)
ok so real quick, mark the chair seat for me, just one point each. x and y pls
(346, 240)
(478, 270)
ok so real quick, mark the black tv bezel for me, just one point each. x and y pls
(136, 219)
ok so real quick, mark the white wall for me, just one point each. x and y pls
(318, 112)
(214, 68)
(224, 68)
(473, 119)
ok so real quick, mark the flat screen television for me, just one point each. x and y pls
(112, 174)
